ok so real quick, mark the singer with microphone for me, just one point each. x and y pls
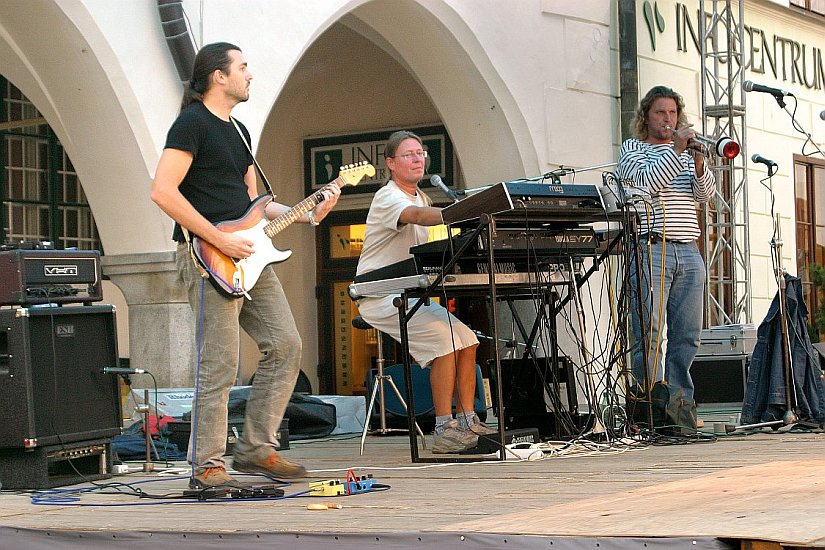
(663, 162)
(398, 219)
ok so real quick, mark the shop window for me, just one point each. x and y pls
(809, 189)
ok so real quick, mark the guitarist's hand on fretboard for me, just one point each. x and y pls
(331, 193)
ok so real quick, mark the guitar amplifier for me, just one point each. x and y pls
(30, 277)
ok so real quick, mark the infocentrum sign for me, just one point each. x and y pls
(783, 58)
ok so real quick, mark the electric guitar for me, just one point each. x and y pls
(235, 278)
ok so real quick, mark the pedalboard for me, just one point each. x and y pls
(253, 491)
(334, 488)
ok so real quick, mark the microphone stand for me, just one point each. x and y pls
(790, 416)
(566, 171)
(562, 171)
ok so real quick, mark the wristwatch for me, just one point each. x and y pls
(311, 219)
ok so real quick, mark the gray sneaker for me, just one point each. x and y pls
(453, 440)
(480, 428)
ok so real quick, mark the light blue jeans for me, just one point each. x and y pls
(268, 320)
(683, 274)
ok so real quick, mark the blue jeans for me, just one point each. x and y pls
(678, 283)
(268, 320)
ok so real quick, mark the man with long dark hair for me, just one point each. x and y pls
(206, 175)
(665, 160)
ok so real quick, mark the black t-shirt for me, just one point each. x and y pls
(214, 183)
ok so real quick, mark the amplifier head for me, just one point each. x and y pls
(30, 276)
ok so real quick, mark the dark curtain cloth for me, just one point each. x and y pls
(309, 417)
(765, 392)
(131, 445)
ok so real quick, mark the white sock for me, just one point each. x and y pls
(465, 420)
(440, 422)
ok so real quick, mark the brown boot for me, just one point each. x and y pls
(214, 477)
(274, 466)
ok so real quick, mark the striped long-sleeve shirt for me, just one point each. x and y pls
(672, 183)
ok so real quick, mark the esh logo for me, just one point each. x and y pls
(64, 331)
(60, 270)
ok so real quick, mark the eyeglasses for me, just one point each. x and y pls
(413, 155)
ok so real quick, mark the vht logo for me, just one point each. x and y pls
(60, 270)
(64, 331)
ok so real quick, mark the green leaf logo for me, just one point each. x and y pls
(653, 20)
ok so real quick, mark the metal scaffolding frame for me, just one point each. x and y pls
(726, 239)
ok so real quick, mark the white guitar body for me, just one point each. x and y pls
(235, 278)
(249, 270)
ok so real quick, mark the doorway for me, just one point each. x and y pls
(345, 353)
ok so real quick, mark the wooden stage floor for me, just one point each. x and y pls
(768, 486)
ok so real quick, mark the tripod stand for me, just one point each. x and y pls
(378, 391)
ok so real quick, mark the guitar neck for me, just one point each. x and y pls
(293, 214)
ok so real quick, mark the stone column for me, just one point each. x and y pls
(161, 334)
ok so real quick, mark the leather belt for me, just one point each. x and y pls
(657, 238)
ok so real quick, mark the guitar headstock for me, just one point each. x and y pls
(351, 174)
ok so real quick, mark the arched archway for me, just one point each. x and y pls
(78, 84)
(360, 75)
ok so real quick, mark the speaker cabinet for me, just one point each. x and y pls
(53, 466)
(536, 395)
(719, 378)
(52, 391)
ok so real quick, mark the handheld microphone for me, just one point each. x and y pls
(822, 115)
(121, 370)
(435, 181)
(749, 86)
(762, 160)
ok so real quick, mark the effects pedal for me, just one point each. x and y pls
(334, 488)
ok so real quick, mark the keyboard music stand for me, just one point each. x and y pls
(404, 316)
(486, 225)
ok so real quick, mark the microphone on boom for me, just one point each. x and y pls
(762, 160)
(749, 86)
(435, 181)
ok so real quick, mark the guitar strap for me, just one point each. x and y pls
(204, 273)
(254, 160)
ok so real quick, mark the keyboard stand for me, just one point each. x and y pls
(552, 305)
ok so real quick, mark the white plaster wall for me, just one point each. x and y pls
(522, 72)
(59, 56)
(501, 76)
(769, 131)
(771, 134)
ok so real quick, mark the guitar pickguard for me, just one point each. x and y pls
(249, 269)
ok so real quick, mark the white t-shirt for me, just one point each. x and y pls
(386, 241)
(433, 331)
